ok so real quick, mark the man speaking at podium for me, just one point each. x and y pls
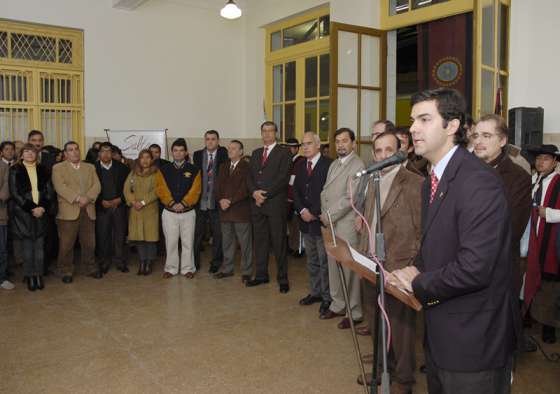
(463, 274)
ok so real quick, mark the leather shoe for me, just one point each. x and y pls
(256, 282)
(363, 331)
(330, 315)
(167, 275)
(309, 300)
(284, 289)
(67, 279)
(105, 268)
(344, 324)
(39, 282)
(361, 381)
(222, 275)
(31, 283)
(124, 269)
(245, 279)
(549, 334)
(212, 269)
(189, 275)
(324, 307)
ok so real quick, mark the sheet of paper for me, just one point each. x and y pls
(363, 260)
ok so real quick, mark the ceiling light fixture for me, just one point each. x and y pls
(231, 10)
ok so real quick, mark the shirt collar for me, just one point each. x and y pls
(208, 153)
(270, 147)
(7, 161)
(106, 166)
(439, 168)
(315, 159)
(345, 158)
(75, 166)
(234, 163)
(179, 164)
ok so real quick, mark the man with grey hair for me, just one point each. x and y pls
(310, 177)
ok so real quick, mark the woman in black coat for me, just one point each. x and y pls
(32, 195)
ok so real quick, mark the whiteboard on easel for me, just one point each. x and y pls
(131, 142)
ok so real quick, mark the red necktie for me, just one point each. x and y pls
(434, 186)
(264, 156)
(309, 168)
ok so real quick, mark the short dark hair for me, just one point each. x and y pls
(450, 104)
(66, 145)
(215, 132)
(345, 130)
(238, 143)
(155, 146)
(33, 133)
(179, 142)
(105, 144)
(115, 149)
(501, 125)
(6, 143)
(388, 124)
(406, 132)
(385, 134)
(269, 123)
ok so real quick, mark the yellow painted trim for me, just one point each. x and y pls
(296, 53)
(296, 20)
(36, 69)
(425, 14)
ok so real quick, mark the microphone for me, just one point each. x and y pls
(397, 158)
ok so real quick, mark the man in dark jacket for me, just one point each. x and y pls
(462, 275)
(209, 160)
(310, 177)
(268, 184)
(111, 223)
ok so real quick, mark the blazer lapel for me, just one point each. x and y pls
(442, 189)
(334, 172)
(394, 192)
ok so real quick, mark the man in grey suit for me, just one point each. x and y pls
(335, 200)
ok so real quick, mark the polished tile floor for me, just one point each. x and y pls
(130, 334)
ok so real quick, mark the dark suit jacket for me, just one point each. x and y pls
(221, 155)
(273, 178)
(234, 188)
(121, 173)
(517, 184)
(400, 219)
(307, 192)
(465, 281)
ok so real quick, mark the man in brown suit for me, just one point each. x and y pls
(233, 197)
(77, 187)
(489, 138)
(490, 144)
(401, 222)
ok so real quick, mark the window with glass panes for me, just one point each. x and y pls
(41, 82)
(298, 79)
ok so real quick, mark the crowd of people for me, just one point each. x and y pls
(471, 229)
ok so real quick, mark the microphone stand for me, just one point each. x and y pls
(380, 322)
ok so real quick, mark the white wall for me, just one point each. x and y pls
(535, 59)
(162, 65)
(356, 12)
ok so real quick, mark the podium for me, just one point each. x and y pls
(340, 251)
